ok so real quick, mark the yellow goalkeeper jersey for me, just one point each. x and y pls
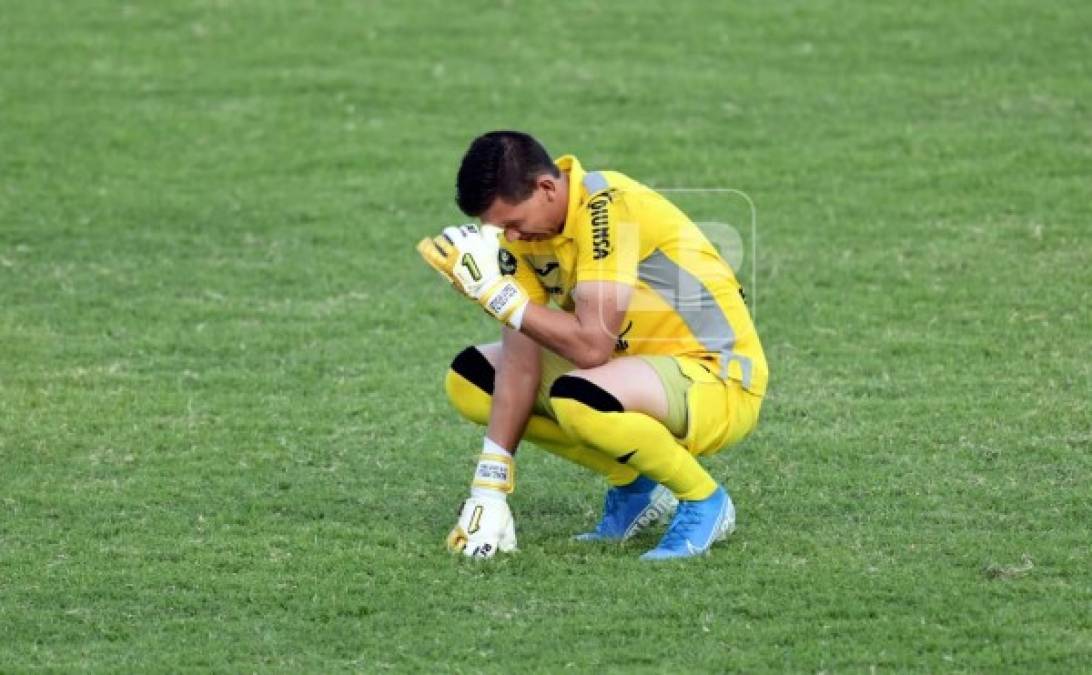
(686, 300)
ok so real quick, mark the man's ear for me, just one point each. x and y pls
(548, 184)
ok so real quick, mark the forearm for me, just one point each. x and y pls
(514, 391)
(587, 344)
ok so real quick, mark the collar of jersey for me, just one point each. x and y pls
(571, 165)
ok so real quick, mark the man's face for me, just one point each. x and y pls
(537, 218)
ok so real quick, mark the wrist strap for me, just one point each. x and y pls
(504, 299)
(495, 472)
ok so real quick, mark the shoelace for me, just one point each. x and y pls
(686, 517)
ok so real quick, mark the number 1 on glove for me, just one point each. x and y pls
(471, 267)
(485, 526)
(468, 257)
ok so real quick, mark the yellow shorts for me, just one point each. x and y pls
(720, 413)
(706, 413)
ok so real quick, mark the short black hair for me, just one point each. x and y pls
(501, 164)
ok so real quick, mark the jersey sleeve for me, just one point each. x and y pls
(513, 263)
(607, 240)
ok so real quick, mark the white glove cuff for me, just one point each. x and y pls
(516, 320)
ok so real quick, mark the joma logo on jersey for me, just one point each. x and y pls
(600, 227)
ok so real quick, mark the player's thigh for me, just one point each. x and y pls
(633, 381)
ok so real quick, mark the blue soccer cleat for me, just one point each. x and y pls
(630, 509)
(696, 525)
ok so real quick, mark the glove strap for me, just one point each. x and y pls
(503, 299)
(495, 472)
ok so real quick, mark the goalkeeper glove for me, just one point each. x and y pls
(468, 257)
(485, 526)
(485, 522)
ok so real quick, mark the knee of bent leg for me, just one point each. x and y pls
(468, 384)
(578, 404)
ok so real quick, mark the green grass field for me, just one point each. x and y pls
(223, 440)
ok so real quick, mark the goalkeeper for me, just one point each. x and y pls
(646, 360)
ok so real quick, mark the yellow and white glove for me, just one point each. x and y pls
(485, 526)
(468, 257)
(485, 523)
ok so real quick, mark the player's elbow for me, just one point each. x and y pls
(593, 355)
